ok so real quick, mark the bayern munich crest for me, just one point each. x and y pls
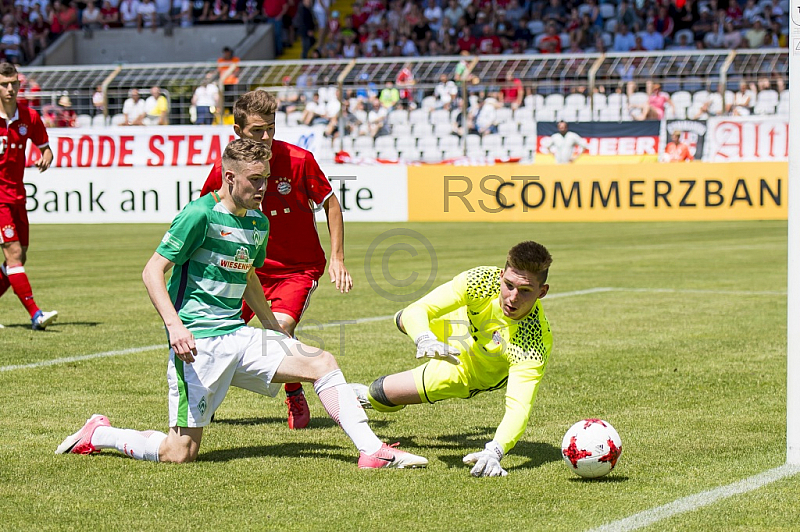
(23, 129)
(8, 231)
(284, 186)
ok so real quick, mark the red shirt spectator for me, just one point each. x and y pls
(466, 42)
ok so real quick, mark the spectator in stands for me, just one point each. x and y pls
(133, 110)
(732, 38)
(624, 40)
(486, 119)
(564, 142)
(275, 10)
(61, 115)
(306, 26)
(164, 13)
(551, 42)
(627, 15)
(321, 9)
(224, 63)
(466, 41)
(129, 13)
(754, 36)
(433, 15)
(714, 38)
(657, 100)
(389, 96)
(664, 23)
(147, 17)
(683, 43)
(206, 100)
(453, 12)
(289, 98)
(109, 15)
(445, 92)
(11, 45)
(378, 119)
(705, 111)
(683, 13)
(676, 150)
(585, 34)
(751, 10)
(91, 17)
(488, 42)
(404, 81)
(98, 101)
(513, 92)
(555, 12)
(651, 39)
(156, 108)
(743, 100)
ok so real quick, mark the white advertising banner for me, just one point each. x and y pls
(147, 175)
(750, 138)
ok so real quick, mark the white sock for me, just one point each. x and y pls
(342, 405)
(136, 444)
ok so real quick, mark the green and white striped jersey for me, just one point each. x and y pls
(212, 250)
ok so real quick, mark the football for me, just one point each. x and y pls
(591, 448)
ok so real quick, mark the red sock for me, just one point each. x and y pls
(22, 287)
(292, 387)
(4, 284)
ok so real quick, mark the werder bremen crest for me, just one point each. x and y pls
(258, 238)
(202, 405)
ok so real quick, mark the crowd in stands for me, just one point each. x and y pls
(413, 28)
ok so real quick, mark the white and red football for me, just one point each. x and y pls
(591, 448)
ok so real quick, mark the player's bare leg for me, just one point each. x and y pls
(299, 414)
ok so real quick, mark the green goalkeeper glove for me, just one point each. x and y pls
(487, 462)
(429, 346)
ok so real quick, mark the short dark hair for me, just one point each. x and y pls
(244, 151)
(8, 69)
(253, 103)
(531, 257)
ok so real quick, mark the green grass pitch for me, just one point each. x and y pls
(685, 355)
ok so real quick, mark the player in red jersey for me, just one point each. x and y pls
(295, 259)
(19, 123)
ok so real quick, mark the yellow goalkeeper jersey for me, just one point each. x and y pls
(496, 351)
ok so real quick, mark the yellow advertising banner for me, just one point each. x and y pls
(598, 193)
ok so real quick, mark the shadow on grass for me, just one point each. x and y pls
(54, 327)
(283, 450)
(602, 480)
(316, 422)
(537, 453)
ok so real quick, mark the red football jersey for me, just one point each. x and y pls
(14, 134)
(295, 182)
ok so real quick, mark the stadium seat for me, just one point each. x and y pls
(398, 116)
(784, 96)
(524, 113)
(554, 100)
(429, 103)
(387, 153)
(411, 154)
(440, 116)
(547, 114)
(449, 142)
(418, 116)
(117, 120)
(609, 114)
(492, 142)
(507, 128)
(616, 99)
(406, 143)
(768, 97)
(565, 42)
(421, 130)
(514, 142)
(384, 143)
(599, 100)
(431, 154)
(638, 98)
(783, 107)
(700, 97)
(527, 128)
(687, 32)
(536, 27)
(99, 121)
(584, 114)
(607, 11)
(681, 99)
(568, 114)
(401, 130)
(504, 114)
(610, 25)
(444, 128)
(452, 153)
(764, 108)
(363, 144)
(575, 100)
(473, 142)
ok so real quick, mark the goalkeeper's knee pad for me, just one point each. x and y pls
(378, 400)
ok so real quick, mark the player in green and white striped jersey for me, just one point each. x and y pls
(213, 248)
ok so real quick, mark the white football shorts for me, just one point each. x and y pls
(246, 358)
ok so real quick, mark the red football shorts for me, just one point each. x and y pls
(288, 295)
(14, 223)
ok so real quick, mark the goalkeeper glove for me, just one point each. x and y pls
(487, 462)
(429, 346)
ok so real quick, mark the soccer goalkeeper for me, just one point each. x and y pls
(483, 331)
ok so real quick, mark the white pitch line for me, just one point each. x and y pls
(78, 358)
(341, 323)
(699, 500)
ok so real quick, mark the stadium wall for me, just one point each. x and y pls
(138, 175)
